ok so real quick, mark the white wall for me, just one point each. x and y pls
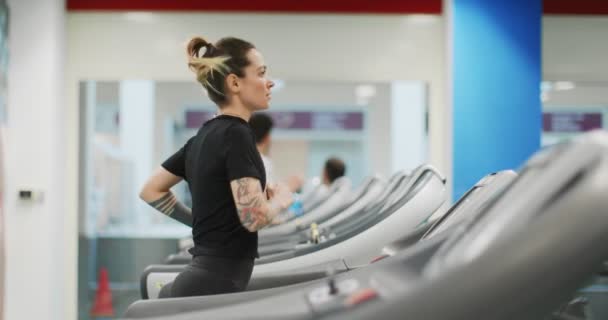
(575, 48)
(408, 140)
(37, 242)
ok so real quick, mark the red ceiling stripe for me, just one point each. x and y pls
(576, 7)
(290, 6)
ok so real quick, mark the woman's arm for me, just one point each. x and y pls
(157, 193)
(255, 210)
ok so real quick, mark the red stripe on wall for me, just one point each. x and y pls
(576, 7)
(289, 6)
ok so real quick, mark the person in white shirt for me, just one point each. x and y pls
(262, 124)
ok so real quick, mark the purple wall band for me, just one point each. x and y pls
(294, 120)
(571, 121)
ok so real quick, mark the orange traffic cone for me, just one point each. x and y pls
(103, 297)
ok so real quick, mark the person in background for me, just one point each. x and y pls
(261, 125)
(333, 169)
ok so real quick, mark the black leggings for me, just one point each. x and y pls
(207, 275)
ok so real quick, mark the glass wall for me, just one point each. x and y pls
(129, 127)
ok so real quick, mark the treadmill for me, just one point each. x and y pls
(339, 192)
(369, 201)
(377, 213)
(420, 196)
(528, 252)
(334, 199)
(467, 207)
(368, 193)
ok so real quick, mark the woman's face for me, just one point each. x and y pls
(255, 92)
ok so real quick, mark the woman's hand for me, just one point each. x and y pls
(280, 195)
(157, 193)
(270, 191)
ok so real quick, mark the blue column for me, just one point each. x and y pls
(496, 108)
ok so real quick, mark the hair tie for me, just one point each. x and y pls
(209, 49)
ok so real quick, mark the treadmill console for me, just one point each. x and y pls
(335, 296)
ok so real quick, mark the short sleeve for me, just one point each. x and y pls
(241, 154)
(176, 164)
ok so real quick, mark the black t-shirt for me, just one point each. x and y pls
(223, 150)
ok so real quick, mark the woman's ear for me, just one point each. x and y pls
(232, 83)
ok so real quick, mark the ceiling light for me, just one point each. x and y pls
(563, 85)
(145, 17)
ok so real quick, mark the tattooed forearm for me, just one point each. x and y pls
(170, 206)
(254, 211)
(247, 195)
